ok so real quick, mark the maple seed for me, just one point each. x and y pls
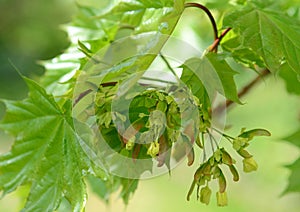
(226, 158)
(222, 182)
(239, 142)
(191, 190)
(222, 198)
(190, 155)
(249, 165)
(244, 153)
(153, 150)
(234, 173)
(130, 143)
(205, 195)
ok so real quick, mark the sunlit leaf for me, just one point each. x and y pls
(45, 153)
(146, 16)
(274, 36)
(294, 182)
(292, 81)
(294, 138)
(128, 188)
(210, 74)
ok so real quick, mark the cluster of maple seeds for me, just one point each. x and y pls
(210, 169)
(159, 126)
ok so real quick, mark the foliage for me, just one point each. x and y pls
(25, 39)
(57, 149)
(294, 185)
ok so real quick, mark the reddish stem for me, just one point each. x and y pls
(84, 93)
(216, 43)
(208, 13)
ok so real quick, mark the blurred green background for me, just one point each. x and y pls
(30, 31)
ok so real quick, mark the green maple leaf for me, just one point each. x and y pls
(60, 70)
(294, 183)
(150, 22)
(291, 80)
(294, 138)
(146, 16)
(273, 36)
(136, 53)
(209, 74)
(46, 153)
(128, 187)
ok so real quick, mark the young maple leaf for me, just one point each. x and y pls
(46, 152)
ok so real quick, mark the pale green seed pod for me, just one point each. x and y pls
(222, 182)
(244, 153)
(222, 198)
(234, 173)
(130, 143)
(153, 150)
(249, 165)
(205, 195)
(218, 155)
(226, 158)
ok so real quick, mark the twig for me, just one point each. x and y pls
(213, 138)
(244, 91)
(216, 43)
(81, 95)
(156, 80)
(228, 137)
(206, 10)
(204, 153)
(108, 84)
(211, 142)
(86, 92)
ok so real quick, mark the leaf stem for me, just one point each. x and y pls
(204, 153)
(81, 95)
(216, 43)
(168, 65)
(156, 80)
(213, 138)
(228, 137)
(208, 13)
(211, 142)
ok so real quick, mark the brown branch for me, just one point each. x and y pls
(107, 84)
(244, 91)
(217, 39)
(81, 95)
(208, 13)
(84, 93)
(216, 43)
